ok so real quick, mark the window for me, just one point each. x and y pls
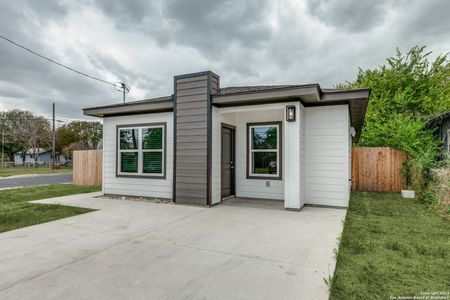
(141, 150)
(264, 155)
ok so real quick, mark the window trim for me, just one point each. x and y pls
(279, 151)
(141, 151)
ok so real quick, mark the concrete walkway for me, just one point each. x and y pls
(141, 250)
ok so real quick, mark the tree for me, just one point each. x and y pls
(68, 150)
(22, 131)
(78, 135)
(402, 132)
(404, 94)
(89, 133)
(64, 137)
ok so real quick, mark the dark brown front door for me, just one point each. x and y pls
(228, 137)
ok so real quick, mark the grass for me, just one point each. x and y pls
(16, 212)
(6, 172)
(391, 247)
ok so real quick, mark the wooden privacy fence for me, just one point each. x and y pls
(377, 169)
(87, 167)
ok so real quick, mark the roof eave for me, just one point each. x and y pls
(345, 95)
(306, 93)
(129, 109)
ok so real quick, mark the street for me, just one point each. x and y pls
(35, 180)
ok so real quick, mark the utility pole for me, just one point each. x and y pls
(123, 91)
(3, 147)
(53, 138)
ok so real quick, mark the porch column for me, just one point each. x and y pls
(291, 161)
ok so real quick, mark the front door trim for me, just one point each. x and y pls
(233, 179)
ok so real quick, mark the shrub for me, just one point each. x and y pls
(443, 187)
(431, 182)
(419, 175)
(402, 132)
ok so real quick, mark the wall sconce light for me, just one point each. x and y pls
(290, 113)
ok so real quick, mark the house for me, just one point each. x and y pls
(441, 128)
(204, 143)
(37, 155)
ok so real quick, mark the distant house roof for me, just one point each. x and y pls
(308, 94)
(34, 151)
(435, 121)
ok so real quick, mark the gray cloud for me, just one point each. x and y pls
(215, 25)
(428, 20)
(210, 26)
(351, 15)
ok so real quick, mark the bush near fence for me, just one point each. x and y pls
(443, 177)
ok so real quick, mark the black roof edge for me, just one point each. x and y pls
(202, 73)
(275, 88)
(134, 102)
(353, 90)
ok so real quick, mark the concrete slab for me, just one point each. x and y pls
(253, 203)
(141, 250)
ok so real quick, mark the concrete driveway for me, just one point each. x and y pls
(141, 250)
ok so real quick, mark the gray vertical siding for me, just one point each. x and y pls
(192, 119)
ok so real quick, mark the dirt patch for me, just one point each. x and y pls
(137, 198)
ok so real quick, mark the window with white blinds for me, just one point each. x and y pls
(141, 150)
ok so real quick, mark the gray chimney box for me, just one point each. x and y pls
(192, 137)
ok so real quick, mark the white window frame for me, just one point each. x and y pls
(140, 128)
(250, 151)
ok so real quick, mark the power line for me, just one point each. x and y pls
(31, 119)
(61, 65)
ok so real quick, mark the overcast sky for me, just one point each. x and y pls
(145, 43)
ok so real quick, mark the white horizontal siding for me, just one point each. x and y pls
(327, 159)
(145, 187)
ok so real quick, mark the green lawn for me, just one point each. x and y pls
(16, 212)
(391, 247)
(5, 172)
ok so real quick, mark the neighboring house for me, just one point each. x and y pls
(38, 155)
(441, 126)
(204, 143)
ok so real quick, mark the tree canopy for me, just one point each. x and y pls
(405, 93)
(78, 135)
(23, 130)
